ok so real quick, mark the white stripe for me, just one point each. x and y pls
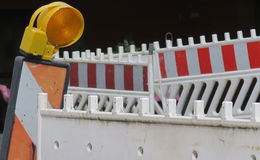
(170, 64)
(138, 78)
(82, 73)
(119, 77)
(216, 59)
(26, 104)
(101, 78)
(241, 55)
(193, 61)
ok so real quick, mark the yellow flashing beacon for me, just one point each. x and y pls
(58, 25)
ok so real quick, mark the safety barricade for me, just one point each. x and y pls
(226, 63)
(30, 76)
(113, 74)
(92, 134)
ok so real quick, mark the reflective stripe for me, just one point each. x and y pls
(229, 59)
(119, 76)
(170, 64)
(181, 63)
(82, 72)
(254, 54)
(162, 65)
(100, 76)
(110, 77)
(128, 77)
(92, 75)
(204, 60)
(74, 81)
(241, 56)
(193, 61)
(216, 59)
(24, 110)
(138, 78)
(145, 78)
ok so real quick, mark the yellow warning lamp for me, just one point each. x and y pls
(58, 25)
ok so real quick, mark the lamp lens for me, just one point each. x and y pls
(64, 26)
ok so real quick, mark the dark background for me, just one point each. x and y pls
(108, 23)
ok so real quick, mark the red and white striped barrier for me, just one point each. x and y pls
(199, 62)
(214, 57)
(109, 76)
(129, 71)
(122, 71)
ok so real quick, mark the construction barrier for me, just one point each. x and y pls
(223, 75)
(92, 134)
(30, 76)
(180, 72)
(214, 71)
(110, 73)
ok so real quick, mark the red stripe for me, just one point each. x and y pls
(181, 63)
(254, 54)
(229, 59)
(92, 80)
(128, 77)
(162, 65)
(145, 78)
(204, 60)
(74, 76)
(110, 74)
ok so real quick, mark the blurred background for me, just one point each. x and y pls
(109, 23)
